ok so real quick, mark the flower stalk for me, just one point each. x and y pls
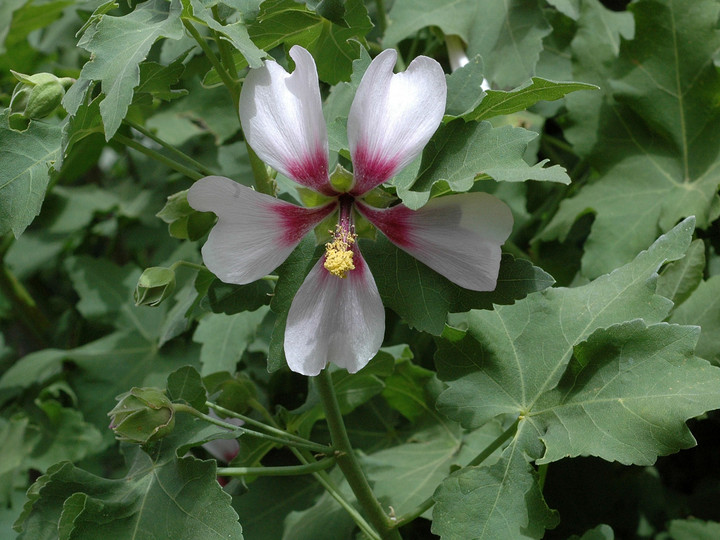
(287, 470)
(348, 462)
(157, 156)
(315, 447)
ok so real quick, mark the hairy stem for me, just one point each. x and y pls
(227, 80)
(287, 470)
(157, 156)
(348, 462)
(477, 460)
(315, 447)
(170, 148)
(256, 423)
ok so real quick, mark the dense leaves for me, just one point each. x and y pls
(512, 413)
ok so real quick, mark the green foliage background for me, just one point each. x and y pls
(567, 403)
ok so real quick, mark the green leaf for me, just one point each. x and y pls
(22, 17)
(408, 473)
(64, 435)
(263, 508)
(162, 496)
(230, 299)
(693, 529)
(652, 136)
(235, 33)
(203, 110)
(408, 16)
(679, 279)
(498, 366)
(423, 298)
(185, 384)
(496, 103)
(500, 501)
(115, 363)
(334, 47)
(156, 80)
(224, 338)
(702, 308)
(460, 152)
(17, 438)
(28, 158)
(120, 73)
(581, 378)
(626, 395)
(6, 17)
(291, 275)
(509, 37)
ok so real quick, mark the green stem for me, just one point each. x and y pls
(170, 148)
(315, 447)
(381, 15)
(325, 481)
(264, 183)
(288, 470)
(188, 264)
(225, 48)
(347, 460)
(558, 143)
(482, 456)
(23, 303)
(157, 156)
(256, 423)
(542, 475)
(227, 80)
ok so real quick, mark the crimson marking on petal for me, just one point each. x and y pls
(312, 171)
(394, 222)
(371, 170)
(297, 220)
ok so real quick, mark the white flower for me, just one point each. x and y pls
(337, 315)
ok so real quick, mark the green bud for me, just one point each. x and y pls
(341, 179)
(38, 95)
(236, 393)
(154, 286)
(142, 415)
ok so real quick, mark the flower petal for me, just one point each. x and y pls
(334, 320)
(457, 236)
(255, 232)
(393, 117)
(281, 116)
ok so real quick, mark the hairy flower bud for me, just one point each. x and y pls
(142, 415)
(154, 285)
(38, 95)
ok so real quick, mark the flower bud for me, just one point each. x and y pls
(38, 95)
(341, 179)
(154, 286)
(142, 415)
(237, 393)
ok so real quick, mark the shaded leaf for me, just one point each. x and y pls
(460, 152)
(28, 158)
(652, 136)
(224, 338)
(120, 73)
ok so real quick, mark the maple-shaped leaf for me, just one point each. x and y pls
(653, 136)
(590, 370)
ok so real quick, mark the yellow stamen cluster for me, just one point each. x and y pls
(338, 255)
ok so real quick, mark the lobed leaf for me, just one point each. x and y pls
(120, 73)
(28, 158)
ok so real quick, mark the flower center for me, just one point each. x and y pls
(339, 253)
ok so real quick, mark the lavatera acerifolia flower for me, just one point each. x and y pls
(337, 314)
